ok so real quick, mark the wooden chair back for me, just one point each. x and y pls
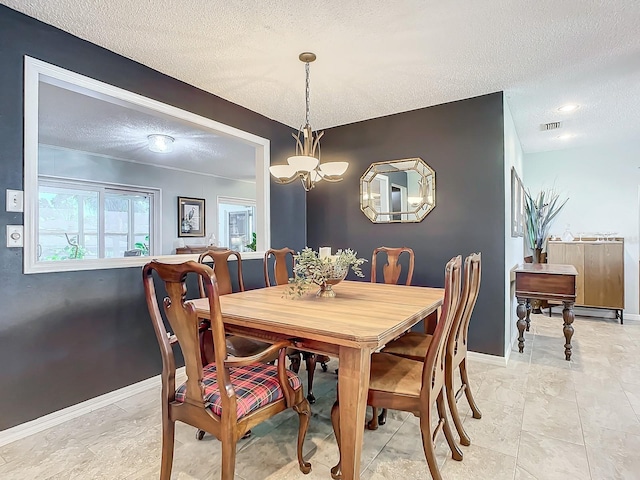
(220, 259)
(392, 269)
(190, 406)
(433, 373)
(280, 270)
(183, 320)
(457, 342)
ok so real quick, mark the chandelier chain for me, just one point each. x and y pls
(307, 96)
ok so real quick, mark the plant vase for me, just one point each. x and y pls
(333, 275)
(325, 272)
(537, 255)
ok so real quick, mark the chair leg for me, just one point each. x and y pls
(310, 359)
(323, 359)
(304, 414)
(382, 418)
(467, 391)
(453, 406)
(456, 453)
(427, 444)
(294, 358)
(228, 458)
(373, 423)
(168, 440)
(376, 420)
(336, 472)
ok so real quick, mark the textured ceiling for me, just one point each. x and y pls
(381, 57)
(72, 120)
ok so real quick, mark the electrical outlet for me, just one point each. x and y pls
(15, 235)
(15, 200)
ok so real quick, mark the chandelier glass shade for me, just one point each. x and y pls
(305, 164)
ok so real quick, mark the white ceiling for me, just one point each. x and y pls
(70, 119)
(380, 57)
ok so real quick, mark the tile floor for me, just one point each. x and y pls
(543, 418)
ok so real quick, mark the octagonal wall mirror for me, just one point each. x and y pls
(398, 191)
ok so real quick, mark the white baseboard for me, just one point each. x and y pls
(631, 316)
(490, 359)
(507, 355)
(509, 347)
(56, 418)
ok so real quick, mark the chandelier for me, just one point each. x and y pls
(305, 164)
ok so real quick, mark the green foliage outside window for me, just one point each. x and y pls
(252, 245)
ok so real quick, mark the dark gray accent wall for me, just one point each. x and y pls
(463, 142)
(68, 337)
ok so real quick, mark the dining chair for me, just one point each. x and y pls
(414, 386)
(237, 345)
(226, 397)
(414, 345)
(392, 269)
(281, 276)
(391, 275)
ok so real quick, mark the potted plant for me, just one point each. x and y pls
(327, 271)
(539, 214)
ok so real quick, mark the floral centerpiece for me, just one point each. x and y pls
(324, 270)
(539, 213)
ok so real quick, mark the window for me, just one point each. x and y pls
(90, 220)
(237, 224)
(101, 220)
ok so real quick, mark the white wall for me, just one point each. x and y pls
(602, 185)
(513, 251)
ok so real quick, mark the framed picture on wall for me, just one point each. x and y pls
(517, 205)
(191, 217)
(521, 201)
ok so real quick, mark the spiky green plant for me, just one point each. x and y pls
(539, 213)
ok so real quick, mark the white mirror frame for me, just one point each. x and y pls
(33, 69)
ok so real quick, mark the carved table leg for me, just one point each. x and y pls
(568, 316)
(353, 385)
(521, 311)
(310, 359)
(528, 313)
(430, 323)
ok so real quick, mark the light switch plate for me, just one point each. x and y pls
(15, 200)
(15, 236)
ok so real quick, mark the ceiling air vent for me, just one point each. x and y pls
(550, 126)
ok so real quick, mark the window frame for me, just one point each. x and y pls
(34, 70)
(247, 202)
(103, 189)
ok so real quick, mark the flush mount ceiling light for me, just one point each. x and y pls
(569, 107)
(305, 164)
(159, 143)
(565, 136)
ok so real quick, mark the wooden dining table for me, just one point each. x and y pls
(351, 326)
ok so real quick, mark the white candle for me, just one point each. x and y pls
(324, 252)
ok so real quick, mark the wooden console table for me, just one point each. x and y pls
(190, 249)
(544, 281)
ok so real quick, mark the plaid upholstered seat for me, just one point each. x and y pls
(255, 385)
